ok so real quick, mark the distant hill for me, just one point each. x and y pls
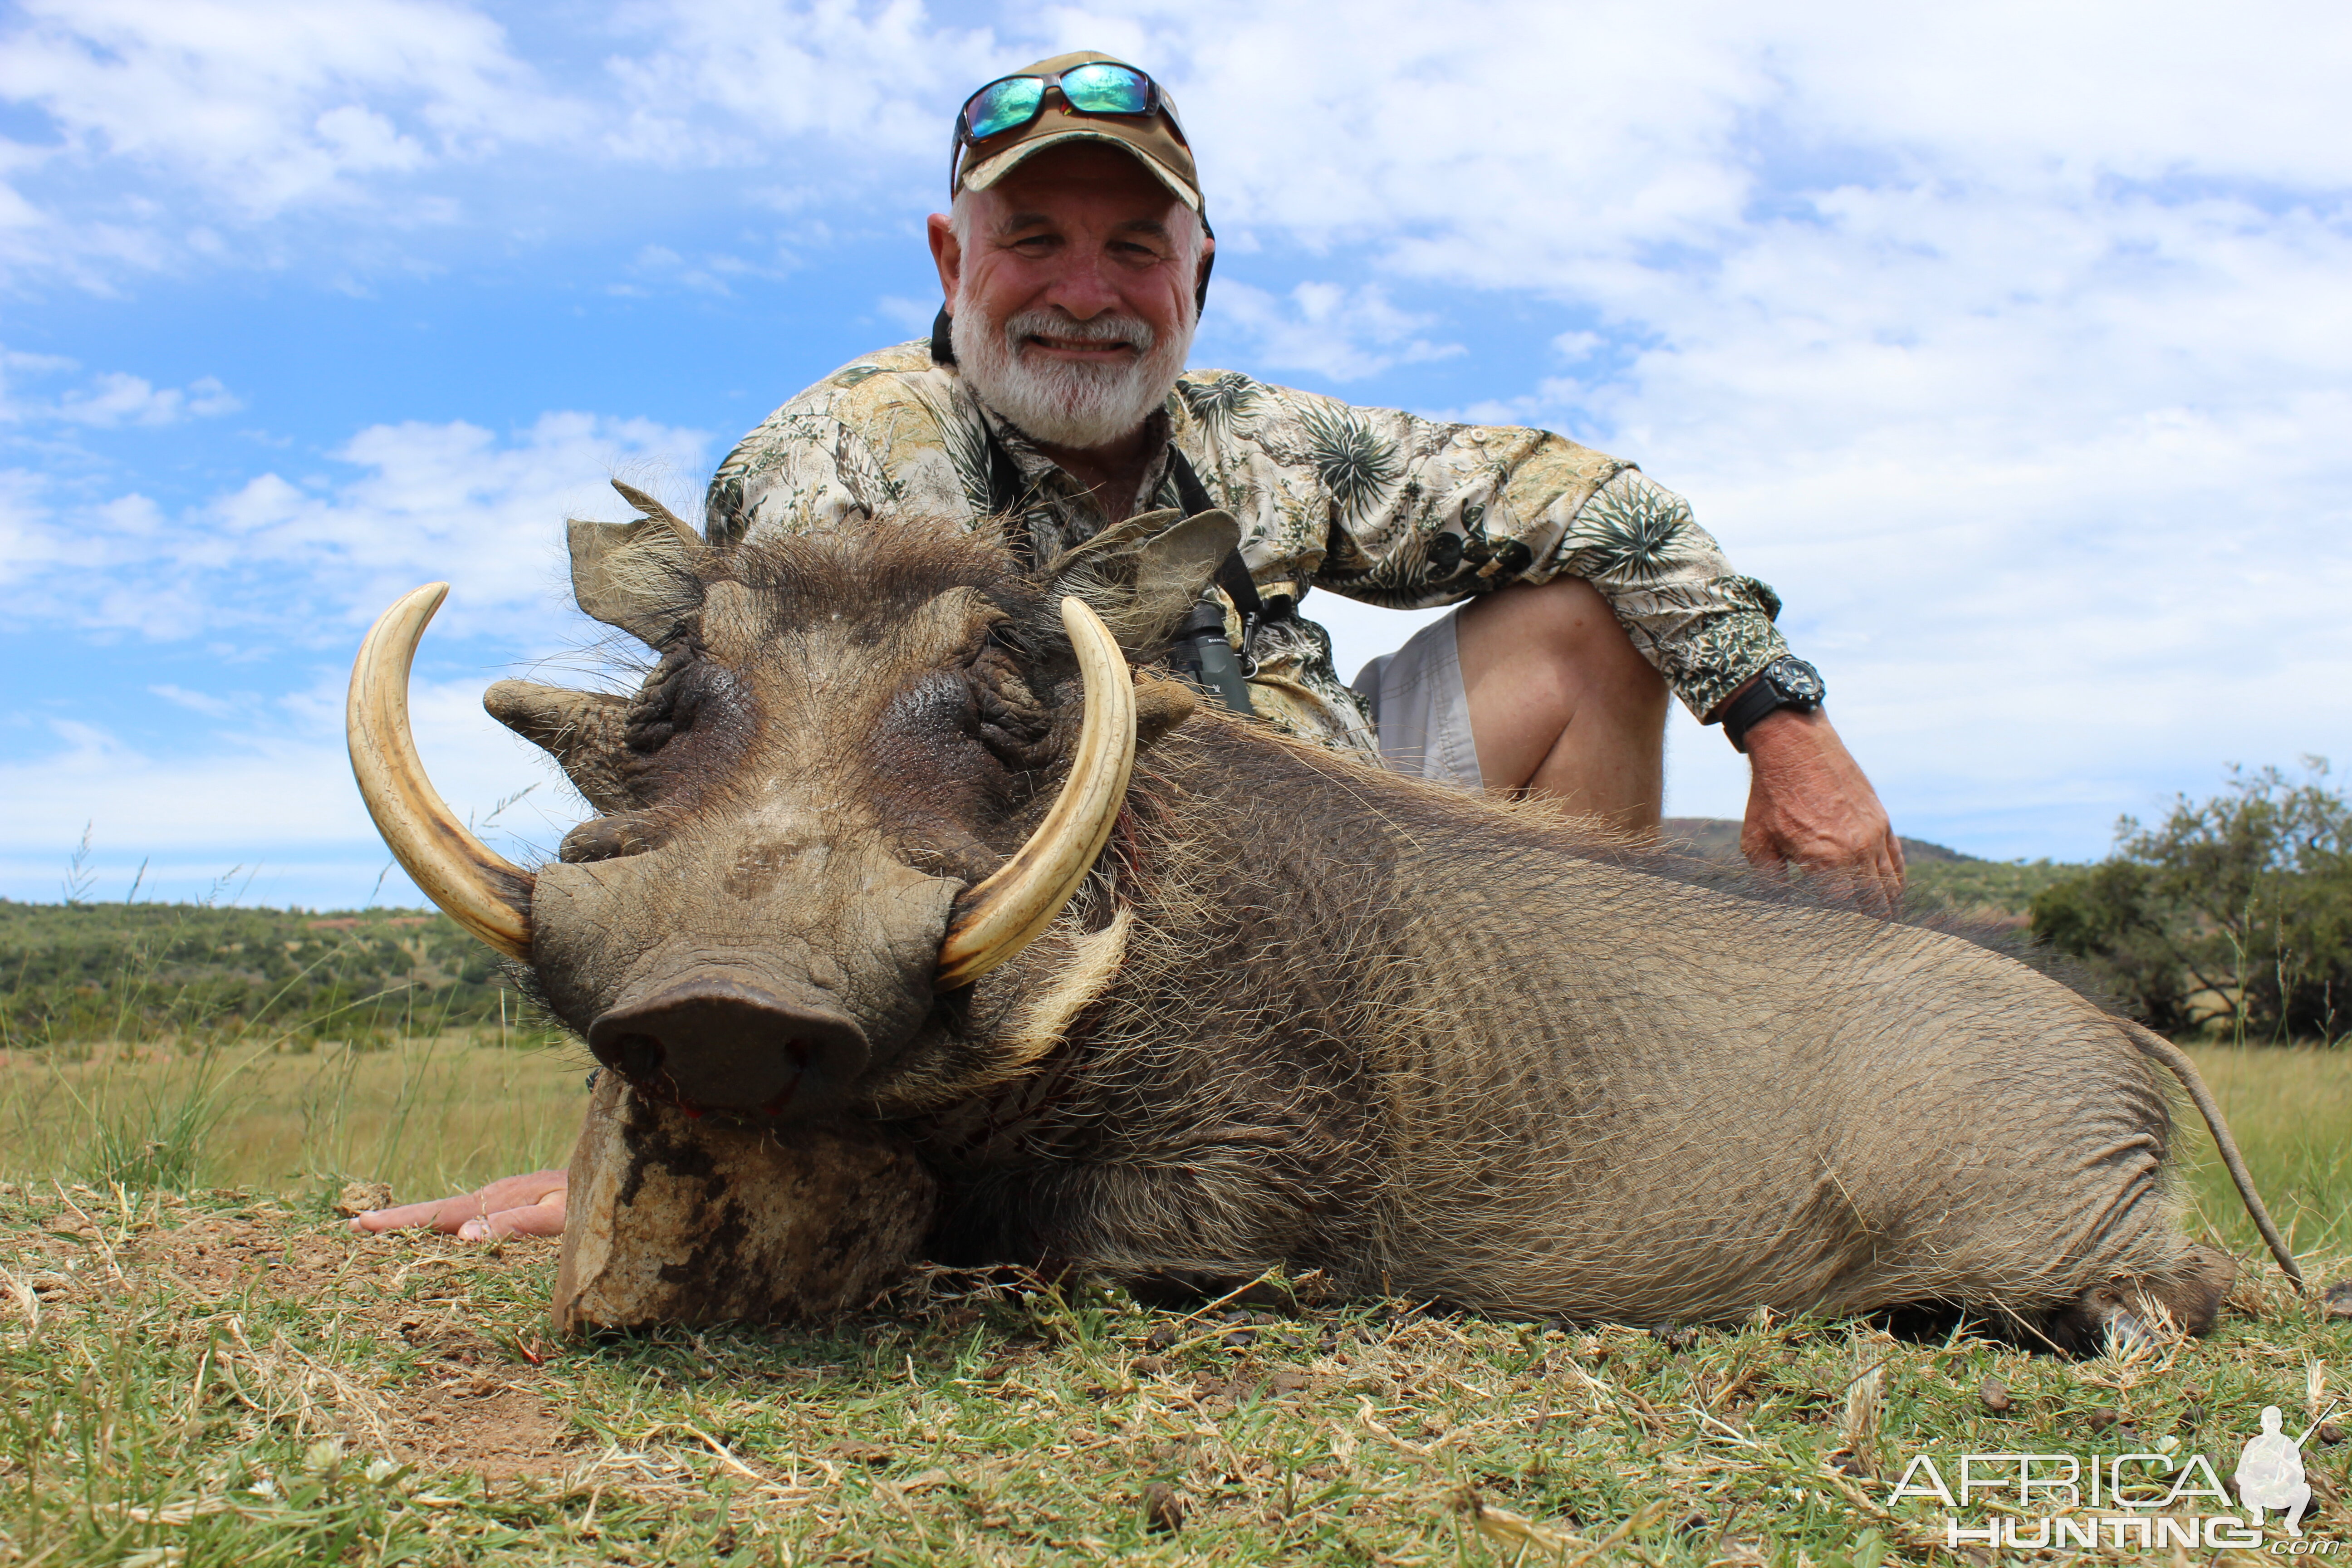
(136, 972)
(2001, 891)
(1719, 838)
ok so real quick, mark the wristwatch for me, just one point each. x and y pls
(1786, 682)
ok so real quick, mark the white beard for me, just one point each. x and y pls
(1059, 405)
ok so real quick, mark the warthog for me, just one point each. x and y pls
(897, 854)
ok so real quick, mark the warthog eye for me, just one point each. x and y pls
(686, 695)
(1012, 722)
(667, 703)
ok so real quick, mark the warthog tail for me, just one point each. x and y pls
(2159, 1048)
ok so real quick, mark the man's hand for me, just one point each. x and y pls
(1809, 803)
(512, 1205)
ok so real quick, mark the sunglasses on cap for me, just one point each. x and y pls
(1099, 86)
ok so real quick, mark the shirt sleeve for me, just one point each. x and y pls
(1417, 512)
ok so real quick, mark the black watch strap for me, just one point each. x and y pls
(1787, 682)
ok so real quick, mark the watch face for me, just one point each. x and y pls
(1797, 680)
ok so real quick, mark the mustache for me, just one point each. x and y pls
(1104, 329)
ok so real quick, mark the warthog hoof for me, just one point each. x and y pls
(2117, 1318)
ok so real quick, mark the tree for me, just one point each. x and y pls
(2238, 908)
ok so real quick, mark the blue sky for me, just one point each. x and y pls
(2011, 345)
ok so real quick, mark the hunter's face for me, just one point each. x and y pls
(1081, 230)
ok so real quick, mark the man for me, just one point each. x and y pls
(1073, 263)
(2270, 1474)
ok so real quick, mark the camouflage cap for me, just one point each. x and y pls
(1156, 141)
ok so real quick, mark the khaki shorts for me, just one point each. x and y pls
(1421, 711)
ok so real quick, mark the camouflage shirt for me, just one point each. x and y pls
(1372, 503)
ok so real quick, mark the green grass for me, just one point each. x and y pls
(2291, 1111)
(228, 1378)
(439, 1113)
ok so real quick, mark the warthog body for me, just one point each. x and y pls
(1302, 1012)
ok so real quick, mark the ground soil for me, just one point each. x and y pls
(466, 1402)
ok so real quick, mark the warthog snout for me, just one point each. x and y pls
(718, 1043)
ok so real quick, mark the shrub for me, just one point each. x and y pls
(2236, 912)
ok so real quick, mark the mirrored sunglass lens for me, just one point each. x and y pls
(1000, 106)
(1106, 90)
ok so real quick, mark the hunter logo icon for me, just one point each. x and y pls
(2270, 1473)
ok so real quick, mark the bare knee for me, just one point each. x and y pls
(1568, 624)
(1565, 612)
(1562, 704)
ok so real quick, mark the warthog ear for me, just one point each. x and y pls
(638, 577)
(1143, 576)
(581, 730)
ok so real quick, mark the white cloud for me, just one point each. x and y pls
(31, 545)
(260, 99)
(1325, 329)
(273, 788)
(107, 400)
(1618, 129)
(1574, 346)
(277, 568)
(290, 562)
(722, 81)
(15, 362)
(169, 114)
(712, 273)
(913, 317)
(364, 141)
(115, 399)
(186, 129)
(211, 707)
(2018, 370)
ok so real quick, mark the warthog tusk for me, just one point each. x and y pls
(995, 920)
(475, 887)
